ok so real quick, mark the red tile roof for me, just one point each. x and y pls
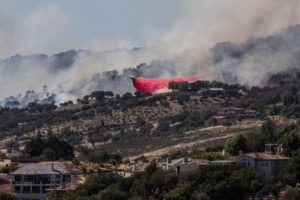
(267, 156)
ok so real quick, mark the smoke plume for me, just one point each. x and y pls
(244, 41)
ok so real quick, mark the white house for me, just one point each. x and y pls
(185, 165)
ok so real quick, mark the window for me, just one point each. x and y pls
(29, 178)
(17, 189)
(57, 178)
(26, 189)
(263, 164)
(67, 178)
(18, 178)
(44, 179)
(36, 189)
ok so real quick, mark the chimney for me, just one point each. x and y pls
(52, 166)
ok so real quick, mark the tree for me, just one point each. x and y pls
(6, 196)
(291, 194)
(173, 85)
(62, 149)
(49, 154)
(95, 183)
(298, 97)
(151, 168)
(291, 173)
(99, 95)
(112, 193)
(98, 156)
(183, 86)
(109, 93)
(138, 94)
(268, 130)
(290, 142)
(236, 144)
(183, 190)
(127, 96)
(287, 98)
(35, 147)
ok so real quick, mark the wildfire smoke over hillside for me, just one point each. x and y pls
(243, 41)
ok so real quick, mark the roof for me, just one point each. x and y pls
(38, 168)
(266, 156)
(200, 161)
(177, 161)
(216, 89)
(223, 161)
(138, 166)
(181, 161)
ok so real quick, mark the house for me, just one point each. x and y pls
(123, 172)
(211, 91)
(268, 164)
(216, 91)
(22, 124)
(223, 162)
(234, 113)
(32, 181)
(138, 166)
(203, 91)
(184, 165)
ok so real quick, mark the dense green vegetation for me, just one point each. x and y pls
(213, 182)
(51, 148)
(102, 156)
(6, 196)
(286, 136)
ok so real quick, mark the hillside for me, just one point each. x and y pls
(193, 116)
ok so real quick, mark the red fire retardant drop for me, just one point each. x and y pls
(151, 85)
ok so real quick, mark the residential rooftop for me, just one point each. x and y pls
(40, 168)
(266, 156)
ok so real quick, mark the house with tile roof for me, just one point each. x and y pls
(268, 164)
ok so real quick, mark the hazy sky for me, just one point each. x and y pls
(28, 26)
(171, 26)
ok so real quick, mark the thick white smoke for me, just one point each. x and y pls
(186, 47)
(206, 22)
